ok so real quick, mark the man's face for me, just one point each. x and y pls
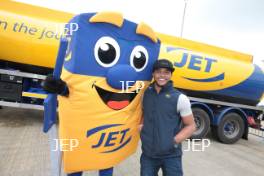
(161, 76)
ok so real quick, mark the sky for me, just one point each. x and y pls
(233, 24)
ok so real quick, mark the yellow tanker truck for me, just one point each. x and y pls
(224, 86)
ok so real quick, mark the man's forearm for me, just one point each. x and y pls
(185, 133)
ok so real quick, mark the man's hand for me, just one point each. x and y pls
(53, 85)
(140, 126)
(188, 129)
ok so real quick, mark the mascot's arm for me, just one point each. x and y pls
(53, 83)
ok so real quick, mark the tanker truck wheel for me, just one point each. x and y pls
(230, 129)
(202, 122)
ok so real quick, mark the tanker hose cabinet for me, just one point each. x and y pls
(10, 87)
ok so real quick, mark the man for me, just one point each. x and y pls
(164, 110)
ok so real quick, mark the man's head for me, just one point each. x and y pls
(162, 71)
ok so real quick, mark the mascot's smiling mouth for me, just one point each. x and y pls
(115, 101)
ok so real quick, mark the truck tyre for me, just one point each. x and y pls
(230, 128)
(202, 122)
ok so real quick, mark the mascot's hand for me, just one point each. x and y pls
(53, 85)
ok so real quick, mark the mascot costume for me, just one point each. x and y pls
(100, 75)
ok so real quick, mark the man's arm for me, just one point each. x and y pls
(141, 124)
(185, 111)
(188, 129)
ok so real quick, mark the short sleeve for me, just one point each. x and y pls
(184, 106)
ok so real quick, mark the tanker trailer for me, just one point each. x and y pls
(223, 85)
(29, 40)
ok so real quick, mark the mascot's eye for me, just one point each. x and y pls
(139, 58)
(106, 51)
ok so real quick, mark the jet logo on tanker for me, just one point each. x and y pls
(203, 71)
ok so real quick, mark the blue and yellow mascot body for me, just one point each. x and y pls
(106, 64)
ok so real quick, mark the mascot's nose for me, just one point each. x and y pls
(121, 76)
